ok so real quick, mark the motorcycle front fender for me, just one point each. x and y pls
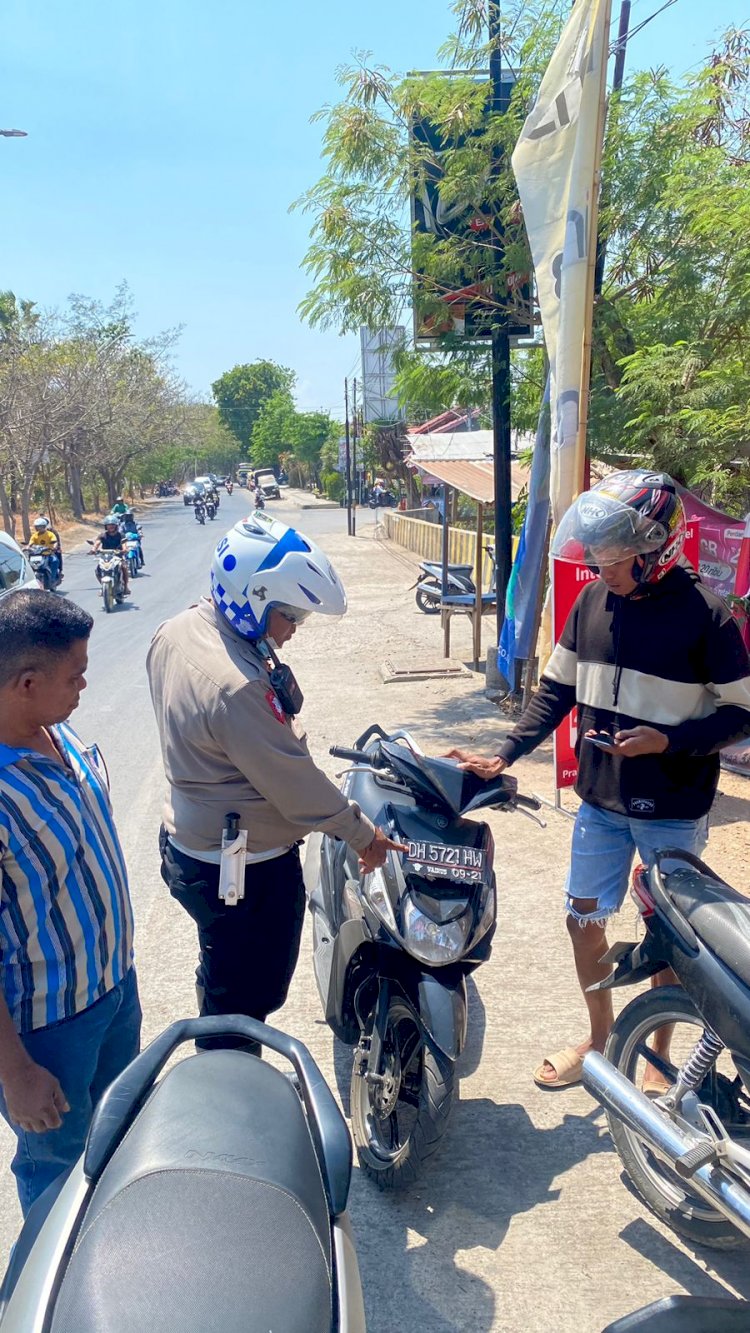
(442, 1010)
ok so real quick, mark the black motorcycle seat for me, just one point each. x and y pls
(211, 1213)
(452, 569)
(719, 915)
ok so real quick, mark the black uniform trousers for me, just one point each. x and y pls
(248, 952)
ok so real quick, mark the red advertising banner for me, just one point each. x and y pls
(567, 581)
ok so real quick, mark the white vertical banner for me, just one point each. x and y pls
(556, 164)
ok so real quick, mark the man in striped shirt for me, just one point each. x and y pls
(69, 1010)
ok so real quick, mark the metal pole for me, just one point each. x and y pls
(501, 442)
(348, 462)
(354, 458)
(446, 542)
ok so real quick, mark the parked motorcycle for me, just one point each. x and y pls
(460, 582)
(199, 509)
(687, 1152)
(46, 567)
(214, 1197)
(392, 948)
(108, 571)
(382, 499)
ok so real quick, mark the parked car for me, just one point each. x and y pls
(15, 569)
(266, 479)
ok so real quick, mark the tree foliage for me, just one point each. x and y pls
(83, 403)
(241, 392)
(671, 365)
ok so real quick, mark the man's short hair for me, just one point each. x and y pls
(36, 626)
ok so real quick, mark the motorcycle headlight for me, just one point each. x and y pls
(430, 941)
(375, 890)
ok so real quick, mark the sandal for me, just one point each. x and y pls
(568, 1066)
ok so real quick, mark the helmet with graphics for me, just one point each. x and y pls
(262, 564)
(634, 513)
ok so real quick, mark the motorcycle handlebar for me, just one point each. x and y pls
(529, 801)
(355, 756)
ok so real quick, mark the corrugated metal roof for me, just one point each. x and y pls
(477, 480)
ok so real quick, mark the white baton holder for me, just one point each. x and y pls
(232, 867)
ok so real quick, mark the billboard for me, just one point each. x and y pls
(379, 401)
(466, 305)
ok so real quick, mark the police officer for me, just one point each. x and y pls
(231, 745)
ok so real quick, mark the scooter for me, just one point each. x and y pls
(199, 509)
(460, 581)
(210, 509)
(392, 948)
(108, 571)
(687, 1153)
(46, 567)
(214, 1197)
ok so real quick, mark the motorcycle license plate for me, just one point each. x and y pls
(445, 862)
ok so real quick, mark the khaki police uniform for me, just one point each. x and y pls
(228, 747)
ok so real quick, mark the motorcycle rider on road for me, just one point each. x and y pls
(45, 538)
(119, 506)
(111, 539)
(231, 744)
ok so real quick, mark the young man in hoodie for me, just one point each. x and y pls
(655, 660)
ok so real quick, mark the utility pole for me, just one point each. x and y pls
(348, 462)
(355, 425)
(500, 95)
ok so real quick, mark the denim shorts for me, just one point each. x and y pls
(604, 845)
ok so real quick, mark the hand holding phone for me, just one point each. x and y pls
(602, 739)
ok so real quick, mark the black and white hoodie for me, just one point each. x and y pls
(671, 656)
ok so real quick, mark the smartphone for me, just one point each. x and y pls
(603, 740)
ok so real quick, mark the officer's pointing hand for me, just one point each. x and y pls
(374, 855)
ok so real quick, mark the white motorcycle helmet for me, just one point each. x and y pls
(41, 524)
(262, 564)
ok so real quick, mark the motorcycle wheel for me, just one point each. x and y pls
(399, 1125)
(134, 566)
(107, 597)
(656, 1185)
(429, 605)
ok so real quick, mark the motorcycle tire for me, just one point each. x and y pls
(429, 605)
(107, 597)
(660, 1189)
(429, 1095)
(134, 566)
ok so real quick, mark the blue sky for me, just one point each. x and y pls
(167, 139)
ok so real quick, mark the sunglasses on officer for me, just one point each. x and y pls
(292, 613)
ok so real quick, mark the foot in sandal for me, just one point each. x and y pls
(563, 1069)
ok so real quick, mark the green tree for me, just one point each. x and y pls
(273, 432)
(241, 392)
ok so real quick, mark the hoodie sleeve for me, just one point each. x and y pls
(554, 698)
(727, 678)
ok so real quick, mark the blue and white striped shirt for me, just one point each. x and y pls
(66, 923)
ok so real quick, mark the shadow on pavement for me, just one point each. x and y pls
(494, 1164)
(731, 1266)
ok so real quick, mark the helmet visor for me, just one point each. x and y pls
(294, 614)
(599, 529)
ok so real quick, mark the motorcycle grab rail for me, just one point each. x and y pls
(125, 1096)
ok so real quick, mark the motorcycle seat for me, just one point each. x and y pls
(435, 566)
(211, 1213)
(719, 915)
